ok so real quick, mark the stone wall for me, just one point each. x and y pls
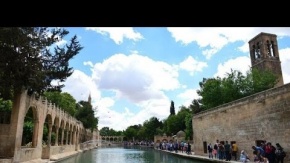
(262, 116)
(4, 139)
(160, 138)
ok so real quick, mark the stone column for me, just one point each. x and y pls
(35, 133)
(62, 136)
(74, 137)
(71, 136)
(56, 137)
(66, 140)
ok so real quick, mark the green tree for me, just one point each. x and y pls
(104, 131)
(188, 126)
(210, 91)
(64, 100)
(28, 60)
(180, 117)
(150, 127)
(86, 115)
(195, 106)
(132, 132)
(260, 80)
(172, 126)
(172, 108)
(217, 91)
(5, 105)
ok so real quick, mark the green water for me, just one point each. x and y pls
(127, 155)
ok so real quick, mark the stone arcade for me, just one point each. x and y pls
(72, 132)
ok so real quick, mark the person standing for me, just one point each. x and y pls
(214, 151)
(221, 149)
(270, 152)
(217, 148)
(234, 150)
(188, 149)
(228, 151)
(209, 148)
(280, 153)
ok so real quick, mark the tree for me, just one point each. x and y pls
(218, 91)
(172, 108)
(195, 106)
(64, 100)
(210, 91)
(188, 126)
(86, 115)
(31, 59)
(131, 132)
(5, 105)
(261, 80)
(104, 131)
(150, 127)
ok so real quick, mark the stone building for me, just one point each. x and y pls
(264, 116)
(265, 55)
(162, 138)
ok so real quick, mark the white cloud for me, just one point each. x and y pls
(79, 85)
(135, 77)
(89, 63)
(188, 95)
(214, 39)
(139, 79)
(285, 62)
(192, 65)
(241, 64)
(118, 33)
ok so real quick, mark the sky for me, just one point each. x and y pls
(133, 74)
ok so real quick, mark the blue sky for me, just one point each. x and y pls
(132, 74)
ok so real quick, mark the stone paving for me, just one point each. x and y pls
(197, 157)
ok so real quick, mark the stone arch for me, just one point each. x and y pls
(119, 139)
(47, 128)
(30, 127)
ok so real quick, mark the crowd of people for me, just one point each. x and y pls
(265, 153)
(176, 146)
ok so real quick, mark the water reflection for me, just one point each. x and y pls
(127, 155)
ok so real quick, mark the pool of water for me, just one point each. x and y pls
(127, 155)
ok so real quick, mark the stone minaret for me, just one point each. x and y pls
(90, 99)
(265, 55)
